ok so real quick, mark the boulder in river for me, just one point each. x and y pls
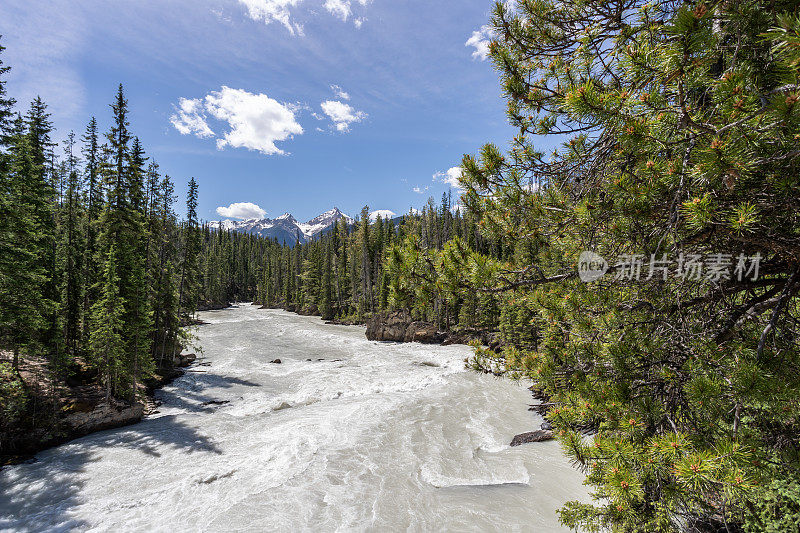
(276, 361)
(532, 436)
(184, 360)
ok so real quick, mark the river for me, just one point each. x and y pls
(344, 435)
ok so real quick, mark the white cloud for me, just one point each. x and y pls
(450, 177)
(419, 190)
(242, 211)
(190, 118)
(480, 41)
(341, 114)
(382, 213)
(274, 11)
(340, 93)
(220, 15)
(338, 8)
(280, 11)
(256, 121)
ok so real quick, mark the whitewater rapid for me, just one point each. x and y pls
(344, 435)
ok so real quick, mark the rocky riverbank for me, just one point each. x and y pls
(53, 413)
(398, 326)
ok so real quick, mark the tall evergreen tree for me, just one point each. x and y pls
(94, 205)
(106, 333)
(189, 267)
(22, 272)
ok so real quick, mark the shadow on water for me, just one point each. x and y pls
(43, 495)
(192, 392)
(33, 498)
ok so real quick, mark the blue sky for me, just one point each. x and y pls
(291, 105)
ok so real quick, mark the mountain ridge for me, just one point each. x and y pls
(285, 228)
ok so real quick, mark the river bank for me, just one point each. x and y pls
(51, 413)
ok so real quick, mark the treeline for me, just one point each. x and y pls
(361, 268)
(95, 267)
(438, 264)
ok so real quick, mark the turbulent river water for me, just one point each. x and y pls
(344, 435)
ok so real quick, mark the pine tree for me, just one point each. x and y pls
(41, 198)
(685, 384)
(138, 317)
(71, 255)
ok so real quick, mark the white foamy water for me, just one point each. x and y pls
(365, 436)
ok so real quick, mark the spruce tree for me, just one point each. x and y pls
(106, 331)
(189, 268)
(23, 273)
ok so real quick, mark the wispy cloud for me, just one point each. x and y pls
(190, 118)
(270, 11)
(449, 177)
(282, 11)
(340, 93)
(420, 190)
(42, 43)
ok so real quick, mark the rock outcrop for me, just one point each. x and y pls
(86, 418)
(397, 326)
(423, 332)
(388, 326)
(213, 306)
(532, 436)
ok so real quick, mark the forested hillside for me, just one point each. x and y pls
(98, 279)
(415, 263)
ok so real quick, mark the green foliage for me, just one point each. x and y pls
(15, 399)
(678, 125)
(106, 335)
(775, 508)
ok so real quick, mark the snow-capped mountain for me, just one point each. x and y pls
(285, 228)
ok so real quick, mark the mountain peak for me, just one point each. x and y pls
(285, 228)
